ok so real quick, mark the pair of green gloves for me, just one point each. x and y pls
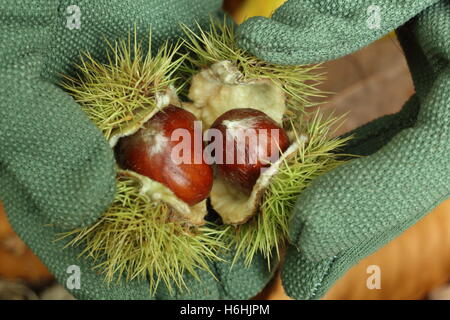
(57, 171)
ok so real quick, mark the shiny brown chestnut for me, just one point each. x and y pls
(149, 153)
(251, 142)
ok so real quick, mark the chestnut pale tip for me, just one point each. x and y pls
(252, 141)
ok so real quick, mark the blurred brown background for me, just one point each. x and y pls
(367, 84)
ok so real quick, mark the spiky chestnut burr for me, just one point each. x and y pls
(251, 142)
(149, 153)
(147, 232)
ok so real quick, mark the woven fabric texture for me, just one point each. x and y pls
(349, 213)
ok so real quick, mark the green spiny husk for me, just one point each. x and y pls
(136, 238)
(206, 47)
(113, 93)
(268, 231)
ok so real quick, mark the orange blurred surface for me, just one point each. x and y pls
(16, 259)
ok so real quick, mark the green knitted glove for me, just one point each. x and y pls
(55, 166)
(352, 211)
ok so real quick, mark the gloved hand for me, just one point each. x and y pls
(43, 47)
(56, 170)
(352, 211)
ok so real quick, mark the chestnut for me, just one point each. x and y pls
(149, 153)
(251, 142)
